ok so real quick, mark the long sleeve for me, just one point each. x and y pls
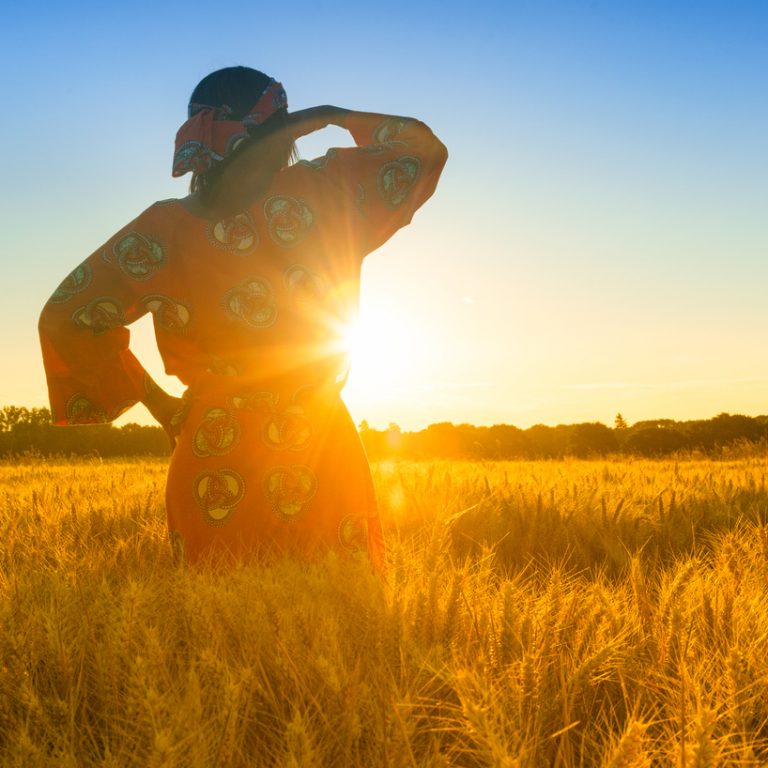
(393, 170)
(92, 375)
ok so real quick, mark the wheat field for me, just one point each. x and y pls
(561, 613)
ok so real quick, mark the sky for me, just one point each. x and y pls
(597, 243)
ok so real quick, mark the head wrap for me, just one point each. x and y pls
(210, 134)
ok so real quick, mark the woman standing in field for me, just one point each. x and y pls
(251, 280)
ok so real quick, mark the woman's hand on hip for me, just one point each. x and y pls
(166, 410)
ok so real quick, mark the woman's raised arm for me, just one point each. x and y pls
(391, 172)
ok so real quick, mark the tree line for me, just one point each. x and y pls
(660, 437)
(25, 430)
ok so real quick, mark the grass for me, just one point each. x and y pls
(564, 613)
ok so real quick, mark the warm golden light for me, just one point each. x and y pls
(384, 349)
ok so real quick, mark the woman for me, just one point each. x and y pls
(250, 280)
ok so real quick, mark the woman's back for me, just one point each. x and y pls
(249, 311)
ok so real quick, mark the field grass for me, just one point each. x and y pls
(564, 613)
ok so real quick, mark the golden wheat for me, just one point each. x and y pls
(569, 613)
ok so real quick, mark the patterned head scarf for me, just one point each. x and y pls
(210, 134)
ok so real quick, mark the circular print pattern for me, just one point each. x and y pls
(288, 219)
(196, 156)
(221, 367)
(217, 433)
(256, 401)
(217, 493)
(77, 280)
(237, 234)
(99, 315)
(288, 430)
(396, 178)
(289, 488)
(305, 288)
(80, 410)
(353, 534)
(170, 315)
(138, 256)
(252, 302)
(389, 130)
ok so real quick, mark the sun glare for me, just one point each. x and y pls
(383, 351)
(387, 351)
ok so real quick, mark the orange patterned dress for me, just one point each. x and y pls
(248, 312)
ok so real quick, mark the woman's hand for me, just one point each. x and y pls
(307, 121)
(166, 410)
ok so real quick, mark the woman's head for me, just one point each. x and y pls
(232, 94)
(235, 87)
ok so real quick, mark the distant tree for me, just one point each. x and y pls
(13, 417)
(655, 441)
(547, 442)
(592, 439)
(505, 441)
(725, 429)
(442, 440)
(619, 422)
(656, 423)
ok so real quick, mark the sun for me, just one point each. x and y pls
(383, 350)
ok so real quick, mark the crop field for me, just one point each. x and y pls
(558, 613)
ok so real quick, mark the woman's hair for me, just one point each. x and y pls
(239, 88)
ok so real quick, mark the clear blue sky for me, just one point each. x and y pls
(598, 242)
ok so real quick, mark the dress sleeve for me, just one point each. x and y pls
(391, 172)
(92, 375)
